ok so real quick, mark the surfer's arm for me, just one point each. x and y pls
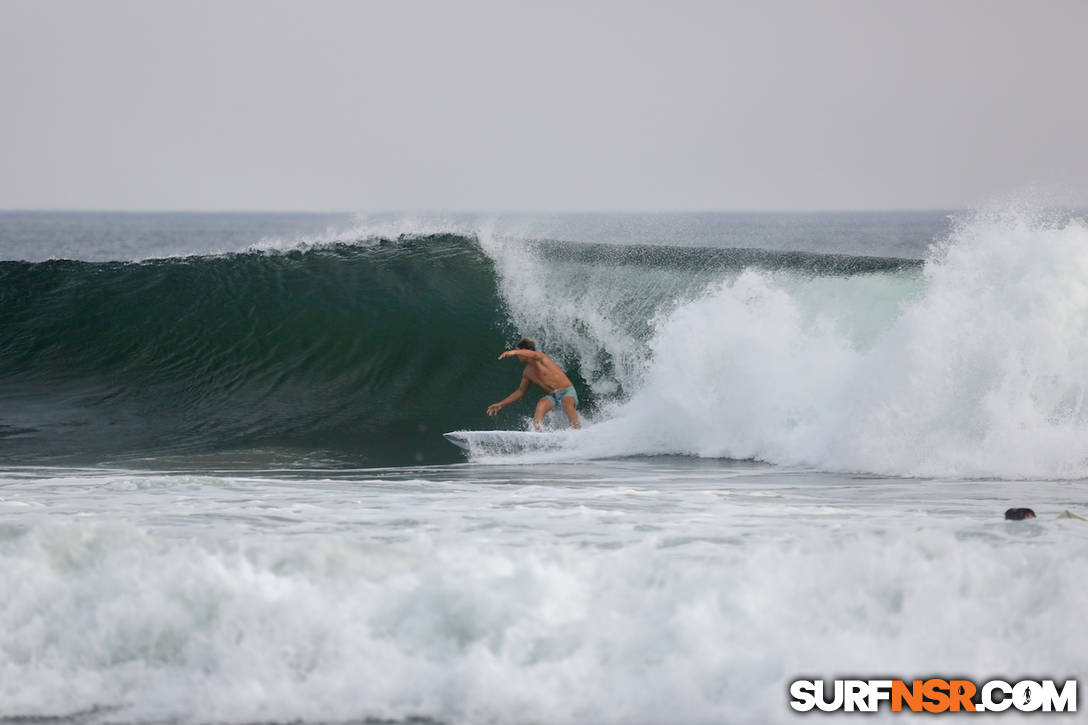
(511, 398)
(525, 355)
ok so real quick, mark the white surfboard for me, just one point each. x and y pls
(505, 441)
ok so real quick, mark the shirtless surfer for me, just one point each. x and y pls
(542, 370)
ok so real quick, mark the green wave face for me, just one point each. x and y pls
(362, 354)
(366, 352)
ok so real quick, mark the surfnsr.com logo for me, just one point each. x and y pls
(933, 695)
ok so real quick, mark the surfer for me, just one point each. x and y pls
(542, 370)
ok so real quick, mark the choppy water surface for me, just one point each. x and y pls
(650, 590)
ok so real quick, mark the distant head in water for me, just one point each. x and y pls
(1019, 514)
(525, 343)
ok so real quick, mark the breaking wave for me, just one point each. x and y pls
(973, 363)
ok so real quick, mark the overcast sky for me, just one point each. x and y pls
(503, 106)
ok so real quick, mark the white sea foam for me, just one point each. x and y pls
(978, 367)
(664, 597)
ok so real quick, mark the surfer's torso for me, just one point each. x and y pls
(545, 373)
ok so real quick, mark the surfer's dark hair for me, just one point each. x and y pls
(526, 343)
(1019, 514)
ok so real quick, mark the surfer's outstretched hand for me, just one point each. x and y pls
(508, 353)
(494, 409)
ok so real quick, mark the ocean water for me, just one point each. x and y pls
(225, 498)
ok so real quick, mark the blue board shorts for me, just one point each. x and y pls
(558, 395)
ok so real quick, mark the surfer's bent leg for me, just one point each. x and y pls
(542, 408)
(572, 413)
